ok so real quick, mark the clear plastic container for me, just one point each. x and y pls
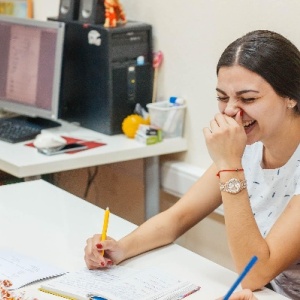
(168, 117)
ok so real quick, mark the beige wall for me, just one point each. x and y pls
(42, 9)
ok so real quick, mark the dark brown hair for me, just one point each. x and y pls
(269, 55)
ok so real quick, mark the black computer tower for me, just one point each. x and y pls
(106, 72)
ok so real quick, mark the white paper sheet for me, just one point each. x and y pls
(120, 283)
(22, 270)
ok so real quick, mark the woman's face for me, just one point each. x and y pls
(264, 112)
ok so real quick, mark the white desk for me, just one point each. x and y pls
(43, 221)
(23, 161)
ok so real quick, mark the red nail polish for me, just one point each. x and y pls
(99, 246)
(241, 113)
(102, 264)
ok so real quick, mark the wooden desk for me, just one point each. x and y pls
(43, 221)
(25, 162)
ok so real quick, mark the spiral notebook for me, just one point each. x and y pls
(21, 269)
(120, 283)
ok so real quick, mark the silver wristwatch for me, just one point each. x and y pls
(233, 186)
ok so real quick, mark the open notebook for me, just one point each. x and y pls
(21, 269)
(120, 283)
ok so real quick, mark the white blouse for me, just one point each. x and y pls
(270, 190)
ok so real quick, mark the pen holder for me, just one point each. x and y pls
(168, 117)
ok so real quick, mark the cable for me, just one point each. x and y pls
(91, 177)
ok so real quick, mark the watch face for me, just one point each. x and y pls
(233, 186)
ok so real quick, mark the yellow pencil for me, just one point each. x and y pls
(105, 225)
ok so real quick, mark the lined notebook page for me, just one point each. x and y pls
(22, 270)
(120, 283)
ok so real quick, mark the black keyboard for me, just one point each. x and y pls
(20, 129)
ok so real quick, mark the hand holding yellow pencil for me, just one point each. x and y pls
(105, 225)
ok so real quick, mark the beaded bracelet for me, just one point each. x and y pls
(232, 170)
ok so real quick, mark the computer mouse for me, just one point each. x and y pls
(49, 141)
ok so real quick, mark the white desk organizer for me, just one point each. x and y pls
(168, 117)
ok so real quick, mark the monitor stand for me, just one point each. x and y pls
(41, 122)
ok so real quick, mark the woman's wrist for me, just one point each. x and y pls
(229, 164)
(229, 170)
(232, 180)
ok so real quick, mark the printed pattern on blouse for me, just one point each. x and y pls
(270, 190)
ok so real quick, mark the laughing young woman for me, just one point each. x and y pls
(254, 144)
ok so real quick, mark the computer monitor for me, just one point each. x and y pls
(30, 66)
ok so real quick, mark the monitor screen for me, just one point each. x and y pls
(30, 66)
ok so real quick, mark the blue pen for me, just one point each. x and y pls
(96, 297)
(250, 264)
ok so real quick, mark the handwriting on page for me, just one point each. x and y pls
(117, 282)
(139, 283)
(22, 270)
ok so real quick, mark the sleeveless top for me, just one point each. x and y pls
(270, 190)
